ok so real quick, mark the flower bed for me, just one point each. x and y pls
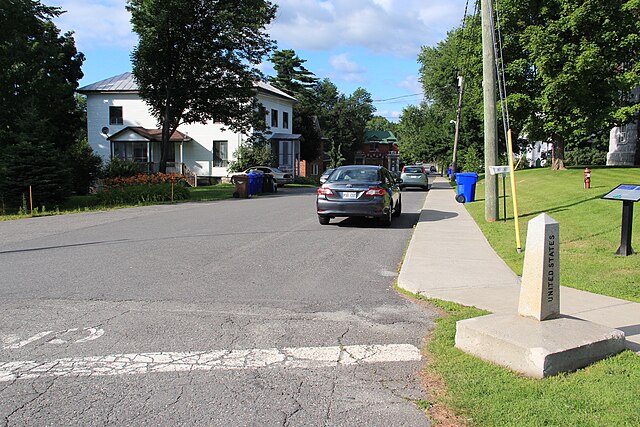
(143, 188)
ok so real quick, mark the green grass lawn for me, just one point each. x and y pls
(76, 204)
(606, 393)
(589, 226)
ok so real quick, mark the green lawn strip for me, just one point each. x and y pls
(212, 193)
(77, 204)
(589, 226)
(603, 394)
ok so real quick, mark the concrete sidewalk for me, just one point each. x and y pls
(450, 259)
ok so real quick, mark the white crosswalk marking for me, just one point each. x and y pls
(142, 363)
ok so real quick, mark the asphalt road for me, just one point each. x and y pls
(239, 312)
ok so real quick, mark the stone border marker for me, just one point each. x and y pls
(539, 341)
(540, 291)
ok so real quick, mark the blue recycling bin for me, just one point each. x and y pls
(259, 182)
(253, 183)
(466, 186)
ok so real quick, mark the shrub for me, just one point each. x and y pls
(39, 165)
(86, 166)
(143, 188)
(307, 180)
(472, 160)
(585, 156)
(120, 168)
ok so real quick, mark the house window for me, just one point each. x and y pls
(285, 120)
(314, 169)
(132, 151)
(374, 146)
(115, 116)
(220, 154)
(274, 118)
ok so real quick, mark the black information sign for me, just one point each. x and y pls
(628, 194)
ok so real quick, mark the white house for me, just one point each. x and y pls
(120, 125)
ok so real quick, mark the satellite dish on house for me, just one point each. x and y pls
(105, 130)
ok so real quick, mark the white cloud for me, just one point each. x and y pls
(391, 115)
(411, 83)
(387, 5)
(96, 23)
(347, 70)
(380, 26)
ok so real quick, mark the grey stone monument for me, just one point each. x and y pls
(540, 290)
(538, 341)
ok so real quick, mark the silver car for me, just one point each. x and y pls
(281, 177)
(325, 175)
(414, 176)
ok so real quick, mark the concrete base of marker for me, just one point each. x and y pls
(537, 349)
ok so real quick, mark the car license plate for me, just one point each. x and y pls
(349, 195)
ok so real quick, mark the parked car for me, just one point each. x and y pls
(281, 177)
(414, 176)
(359, 191)
(325, 175)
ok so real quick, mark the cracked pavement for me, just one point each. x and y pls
(241, 312)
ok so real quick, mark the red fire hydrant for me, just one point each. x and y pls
(587, 178)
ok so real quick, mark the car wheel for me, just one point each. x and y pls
(324, 220)
(402, 188)
(398, 210)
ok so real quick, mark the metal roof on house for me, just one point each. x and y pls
(380, 136)
(126, 83)
(122, 83)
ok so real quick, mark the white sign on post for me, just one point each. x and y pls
(498, 170)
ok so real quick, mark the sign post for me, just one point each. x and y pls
(628, 194)
(502, 170)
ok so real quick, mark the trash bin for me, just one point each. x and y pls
(449, 172)
(242, 186)
(253, 181)
(269, 184)
(259, 182)
(466, 187)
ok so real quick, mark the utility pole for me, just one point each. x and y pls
(491, 201)
(454, 162)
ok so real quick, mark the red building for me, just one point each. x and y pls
(379, 148)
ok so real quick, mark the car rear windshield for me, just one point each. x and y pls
(413, 170)
(355, 174)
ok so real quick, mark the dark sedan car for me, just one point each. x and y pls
(359, 190)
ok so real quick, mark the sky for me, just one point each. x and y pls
(373, 44)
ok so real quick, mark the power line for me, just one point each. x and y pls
(397, 97)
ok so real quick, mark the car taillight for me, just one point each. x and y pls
(323, 191)
(375, 192)
(404, 170)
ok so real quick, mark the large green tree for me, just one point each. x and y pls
(295, 79)
(424, 134)
(196, 60)
(344, 119)
(39, 72)
(382, 123)
(570, 66)
(585, 54)
(291, 74)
